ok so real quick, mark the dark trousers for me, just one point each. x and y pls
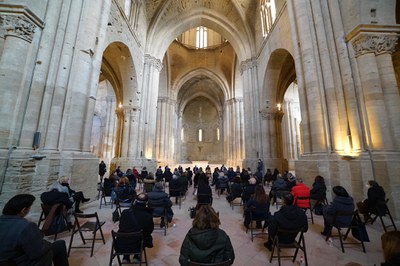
(59, 249)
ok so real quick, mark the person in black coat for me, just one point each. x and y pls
(138, 217)
(102, 170)
(289, 217)
(376, 195)
(204, 193)
(158, 195)
(318, 191)
(341, 202)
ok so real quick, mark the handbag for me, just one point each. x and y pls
(115, 215)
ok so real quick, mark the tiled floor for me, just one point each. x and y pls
(167, 248)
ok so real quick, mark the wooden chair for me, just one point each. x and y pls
(224, 263)
(135, 237)
(308, 208)
(159, 204)
(381, 210)
(298, 244)
(90, 225)
(105, 193)
(352, 215)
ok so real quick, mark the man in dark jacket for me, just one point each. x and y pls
(21, 240)
(162, 200)
(341, 202)
(289, 217)
(138, 217)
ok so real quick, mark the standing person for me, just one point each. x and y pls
(289, 217)
(376, 195)
(260, 167)
(21, 240)
(189, 175)
(102, 170)
(206, 242)
(268, 177)
(341, 202)
(138, 217)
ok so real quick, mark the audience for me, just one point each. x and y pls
(376, 195)
(77, 196)
(206, 242)
(125, 192)
(22, 242)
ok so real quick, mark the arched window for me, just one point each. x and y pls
(200, 135)
(182, 134)
(201, 37)
(268, 15)
(218, 136)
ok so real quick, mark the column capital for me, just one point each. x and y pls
(377, 39)
(248, 64)
(152, 61)
(271, 113)
(18, 26)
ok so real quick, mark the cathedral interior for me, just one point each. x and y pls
(306, 86)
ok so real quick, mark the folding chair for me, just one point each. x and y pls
(49, 214)
(308, 208)
(252, 219)
(224, 263)
(85, 227)
(323, 201)
(177, 193)
(298, 244)
(159, 204)
(381, 210)
(353, 215)
(105, 193)
(118, 250)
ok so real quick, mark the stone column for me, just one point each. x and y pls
(234, 131)
(109, 141)
(380, 101)
(251, 107)
(148, 104)
(18, 31)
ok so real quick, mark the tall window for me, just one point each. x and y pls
(268, 14)
(182, 134)
(218, 134)
(201, 37)
(200, 135)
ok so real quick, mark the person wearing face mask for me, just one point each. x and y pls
(375, 195)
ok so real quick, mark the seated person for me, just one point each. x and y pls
(108, 185)
(318, 191)
(258, 206)
(21, 240)
(289, 217)
(206, 242)
(159, 174)
(183, 183)
(391, 248)
(236, 189)
(76, 195)
(124, 192)
(148, 182)
(204, 193)
(249, 189)
(58, 194)
(138, 217)
(301, 190)
(158, 194)
(222, 182)
(341, 202)
(278, 187)
(376, 195)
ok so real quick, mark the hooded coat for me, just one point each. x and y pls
(206, 246)
(289, 217)
(339, 203)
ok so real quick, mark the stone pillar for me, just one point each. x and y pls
(18, 31)
(148, 104)
(109, 140)
(380, 101)
(251, 107)
(234, 131)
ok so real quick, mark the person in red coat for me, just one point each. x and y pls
(301, 190)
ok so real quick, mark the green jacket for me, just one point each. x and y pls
(206, 246)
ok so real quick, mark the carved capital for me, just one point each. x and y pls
(18, 26)
(152, 61)
(247, 64)
(374, 43)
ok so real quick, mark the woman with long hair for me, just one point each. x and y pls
(257, 207)
(391, 248)
(206, 242)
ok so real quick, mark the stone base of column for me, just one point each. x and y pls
(353, 172)
(33, 172)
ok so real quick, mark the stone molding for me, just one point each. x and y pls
(271, 114)
(247, 64)
(374, 43)
(152, 61)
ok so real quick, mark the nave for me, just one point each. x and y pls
(167, 248)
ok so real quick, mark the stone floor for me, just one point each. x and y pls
(167, 248)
